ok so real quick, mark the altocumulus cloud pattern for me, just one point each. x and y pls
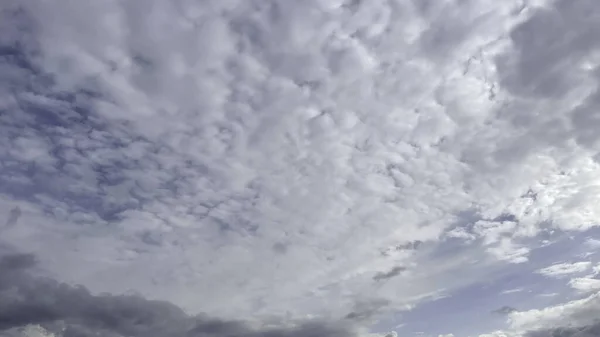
(273, 168)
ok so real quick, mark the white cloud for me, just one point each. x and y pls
(596, 269)
(492, 231)
(564, 269)
(499, 333)
(28, 331)
(512, 291)
(461, 233)
(506, 250)
(385, 334)
(592, 243)
(574, 313)
(585, 284)
(261, 155)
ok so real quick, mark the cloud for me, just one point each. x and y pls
(564, 269)
(498, 334)
(261, 155)
(28, 331)
(392, 273)
(592, 243)
(387, 334)
(11, 263)
(575, 313)
(13, 216)
(65, 310)
(585, 284)
(239, 147)
(505, 310)
(512, 291)
(507, 250)
(575, 318)
(582, 331)
(583, 322)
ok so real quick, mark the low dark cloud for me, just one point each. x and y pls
(413, 245)
(592, 330)
(13, 216)
(505, 310)
(10, 263)
(367, 311)
(389, 274)
(73, 311)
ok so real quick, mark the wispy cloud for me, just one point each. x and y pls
(565, 269)
(512, 291)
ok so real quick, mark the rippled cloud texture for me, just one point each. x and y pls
(275, 161)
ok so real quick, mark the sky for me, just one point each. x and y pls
(277, 168)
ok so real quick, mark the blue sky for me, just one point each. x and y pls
(518, 287)
(424, 167)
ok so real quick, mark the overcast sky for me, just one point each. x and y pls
(299, 168)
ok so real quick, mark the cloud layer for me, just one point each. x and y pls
(261, 159)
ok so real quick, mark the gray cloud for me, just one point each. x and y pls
(591, 330)
(181, 145)
(505, 310)
(554, 58)
(13, 216)
(413, 245)
(389, 274)
(10, 263)
(366, 311)
(74, 311)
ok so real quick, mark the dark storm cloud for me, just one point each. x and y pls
(73, 311)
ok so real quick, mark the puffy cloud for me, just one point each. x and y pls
(585, 284)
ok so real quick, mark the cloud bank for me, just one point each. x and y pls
(72, 311)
